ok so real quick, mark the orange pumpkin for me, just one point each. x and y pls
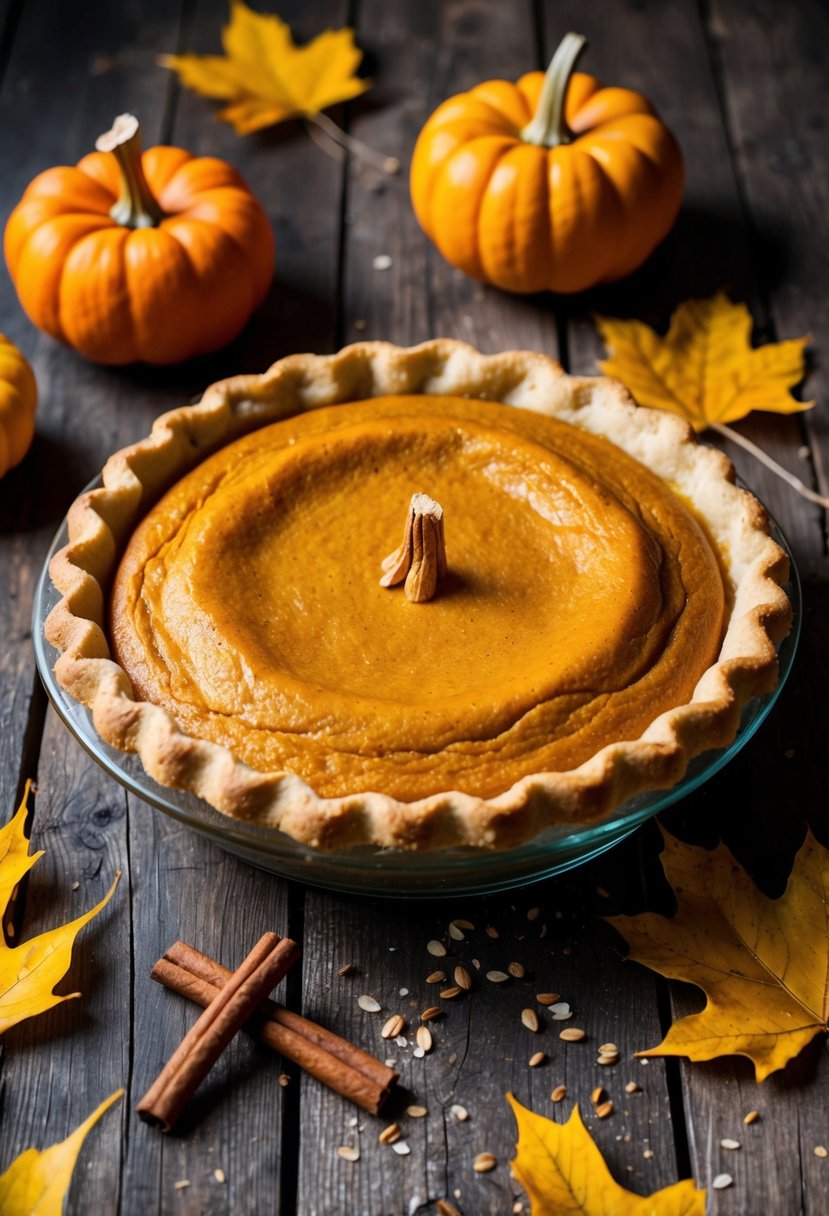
(553, 183)
(147, 258)
(18, 402)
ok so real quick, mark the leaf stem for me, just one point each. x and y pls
(777, 469)
(387, 164)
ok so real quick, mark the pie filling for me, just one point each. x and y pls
(583, 598)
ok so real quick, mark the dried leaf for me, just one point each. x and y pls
(705, 368)
(562, 1170)
(763, 963)
(266, 77)
(35, 1184)
(29, 972)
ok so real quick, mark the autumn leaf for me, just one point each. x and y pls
(705, 368)
(266, 77)
(29, 972)
(562, 1170)
(763, 963)
(35, 1184)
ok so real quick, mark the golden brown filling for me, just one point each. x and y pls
(582, 599)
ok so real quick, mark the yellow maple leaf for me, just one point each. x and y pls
(705, 369)
(29, 972)
(762, 963)
(266, 77)
(561, 1169)
(35, 1184)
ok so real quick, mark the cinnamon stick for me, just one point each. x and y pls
(198, 1051)
(340, 1065)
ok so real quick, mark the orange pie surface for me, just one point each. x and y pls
(583, 598)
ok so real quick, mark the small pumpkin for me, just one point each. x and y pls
(18, 402)
(553, 183)
(132, 257)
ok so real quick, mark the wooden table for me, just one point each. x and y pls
(744, 85)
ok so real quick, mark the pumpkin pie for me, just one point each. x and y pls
(582, 598)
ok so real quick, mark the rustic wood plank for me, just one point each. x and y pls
(660, 49)
(482, 1047)
(774, 90)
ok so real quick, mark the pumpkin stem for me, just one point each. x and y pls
(548, 128)
(421, 558)
(136, 206)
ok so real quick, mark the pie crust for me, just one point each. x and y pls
(101, 522)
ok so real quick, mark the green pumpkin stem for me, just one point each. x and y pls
(548, 128)
(136, 206)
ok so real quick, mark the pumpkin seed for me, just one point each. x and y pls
(497, 977)
(368, 1004)
(416, 1112)
(536, 1059)
(752, 1117)
(437, 977)
(546, 998)
(484, 1162)
(389, 1134)
(529, 1018)
(393, 1026)
(449, 994)
(429, 1015)
(424, 1039)
(516, 970)
(348, 1153)
(604, 1109)
(571, 1034)
(462, 978)
(436, 948)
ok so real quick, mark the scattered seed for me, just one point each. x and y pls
(546, 998)
(368, 1004)
(417, 1112)
(633, 1088)
(463, 924)
(648, 1154)
(518, 1207)
(429, 1015)
(389, 1134)
(449, 994)
(604, 1109)
(529, 1018)
(491, 931)
(435, 948)
(559, 1093)
(181, 1185)
(401, 1148)
(476, 963)
(393, 1026)
(76, 886)
(445, 1208)
(382, 262)
(608, 1049)
(220, 1175)
(542, 932)
(533, 914)
(571, 1034)
(284, 1079)
(602, 893)
(820, 1151)
(641, 1061)
(484, 1162)
(360, 324)
(536, 1059)
(497, 977)
(598, 1095)
(348, 1152)
(424, 1039)
(418, 1053)
(607, 1061)
(751, 1117)
(722, 1181)
(459, 1112)
(462, 978)
(346, 969)
(560, 1011)
(404, 992)
(732, 1144)
(437, 977)
(456, 932)
(516, 971)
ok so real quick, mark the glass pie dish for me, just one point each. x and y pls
(395, 872)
